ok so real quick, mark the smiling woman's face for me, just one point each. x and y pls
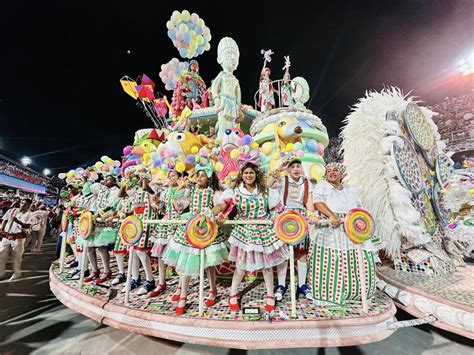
(333, 175)
(249, 176)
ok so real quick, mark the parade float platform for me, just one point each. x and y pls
(449, 298)
(219, 326)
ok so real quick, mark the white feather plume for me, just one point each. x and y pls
(367, 142)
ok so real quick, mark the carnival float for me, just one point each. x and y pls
(196, 240)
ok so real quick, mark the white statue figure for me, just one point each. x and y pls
(286, 89)
(225, 87)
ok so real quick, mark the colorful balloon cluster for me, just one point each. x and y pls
(78, 174)
(108, 165)
(170, 71)
(245, 144)
(189, 34)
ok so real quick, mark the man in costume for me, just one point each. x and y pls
(297, 196)
(14, 229)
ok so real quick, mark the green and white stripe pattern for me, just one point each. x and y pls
(334, 272)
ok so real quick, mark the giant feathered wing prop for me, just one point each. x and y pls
(367, 140)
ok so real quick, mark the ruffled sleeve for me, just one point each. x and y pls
(227, 194)
(95, 187)
(217, 198)
(114, 198)
(321, 192)
(274, 198)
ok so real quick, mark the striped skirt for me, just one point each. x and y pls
(334, 273)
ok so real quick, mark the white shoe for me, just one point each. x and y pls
(15, 277)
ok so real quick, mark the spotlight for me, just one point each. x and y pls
(26, 161)
(466, 64)
(46, 172)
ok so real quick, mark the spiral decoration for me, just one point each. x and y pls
(86, 224)
(131, 230)
(359, 225)
(201, 235)
(290, 227)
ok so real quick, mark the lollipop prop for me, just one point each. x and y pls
(359, 227)
(130, 232)
(201, 234)
(86, 224)
(64, 220)
(64, 227)
(291, 227)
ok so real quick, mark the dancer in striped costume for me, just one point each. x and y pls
(162, 234)
(83, 201)
(296, 196)
(204, 195)
(333, 256)
(143, 208)
(124, 208)
(253, 247)
(102, 237)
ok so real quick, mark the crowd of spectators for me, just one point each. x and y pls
(455, 118)
(16, 171)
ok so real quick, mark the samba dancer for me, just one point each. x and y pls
(106, 200)
(204, 195)
(127, 192)
(84, 200)
(256, 247)
(334, 275)
(143, 208)
(162, 234)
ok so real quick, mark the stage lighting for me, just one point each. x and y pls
(46, 172)
(466, 65)
(26, 161)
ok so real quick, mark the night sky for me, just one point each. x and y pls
(61, 102)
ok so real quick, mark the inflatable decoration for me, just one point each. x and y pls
(189, 34)
(171, 71)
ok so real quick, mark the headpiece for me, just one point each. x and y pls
(339, 166)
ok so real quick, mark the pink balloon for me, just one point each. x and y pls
(320, 149)
(127, 150)
(194, 18)
(61, 176)
(205, 30)
(116, 163)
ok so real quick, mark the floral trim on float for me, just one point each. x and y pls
(404, 177)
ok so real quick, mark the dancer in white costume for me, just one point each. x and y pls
(334, 275)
